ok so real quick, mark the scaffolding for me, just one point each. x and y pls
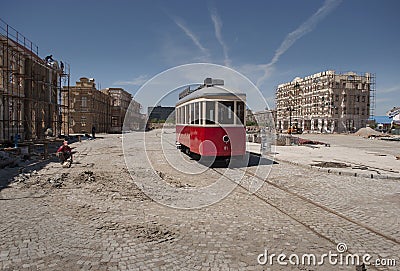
(64, 101)
(29, 87)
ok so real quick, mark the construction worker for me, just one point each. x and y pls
(64, 152)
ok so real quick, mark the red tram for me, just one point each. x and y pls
(210, 121)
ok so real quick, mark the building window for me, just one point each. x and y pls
(114, 121)
(83, 121)
(84, 101)
(363, 99)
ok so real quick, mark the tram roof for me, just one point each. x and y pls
(212, 91)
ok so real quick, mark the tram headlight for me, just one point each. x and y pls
(225, 138)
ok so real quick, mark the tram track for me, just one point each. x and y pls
(295, 217)
(329, 210)
(318, 208)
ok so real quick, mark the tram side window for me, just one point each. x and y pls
(240, 113)
(210, 112)
(186, 114)
(200, 121)
(225, 112)
(191, 120)
(196, 113)
(181, 113)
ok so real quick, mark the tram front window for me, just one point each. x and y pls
(240, 113)
(225, 112)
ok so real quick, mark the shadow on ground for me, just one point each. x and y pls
(249, 160)
(7, 174)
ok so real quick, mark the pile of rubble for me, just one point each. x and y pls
(33, 178)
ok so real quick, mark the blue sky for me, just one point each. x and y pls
(125, 43)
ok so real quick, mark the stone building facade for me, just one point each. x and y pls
(88, 107)
(120, 100)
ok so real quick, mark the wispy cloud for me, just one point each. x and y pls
(138, 81)
(191, 35)
(292, 37)
(390, 89)
(383, 100)
(218, 34)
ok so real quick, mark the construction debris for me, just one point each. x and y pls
(368, 132)
(331, 165)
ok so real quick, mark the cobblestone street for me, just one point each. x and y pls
(94, 216)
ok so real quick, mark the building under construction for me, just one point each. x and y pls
(29, 89)
(326, 102)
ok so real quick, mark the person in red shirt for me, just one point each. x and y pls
(64, 152)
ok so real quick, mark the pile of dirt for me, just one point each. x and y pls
(368, 132)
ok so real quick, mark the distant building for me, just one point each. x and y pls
(161, 113)
(326, 102)
(260, 119)
(250, 119)
(88, 107)
(120, 100)
(265, 118)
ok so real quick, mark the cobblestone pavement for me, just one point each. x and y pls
(94, 217)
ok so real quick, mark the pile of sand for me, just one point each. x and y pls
(368, 132)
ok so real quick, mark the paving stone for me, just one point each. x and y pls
(83, 228)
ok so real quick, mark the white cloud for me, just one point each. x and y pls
(383, 100)
(390, 89)
(218, 34)
(138, 81)
(292, 37)
(191, 35)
